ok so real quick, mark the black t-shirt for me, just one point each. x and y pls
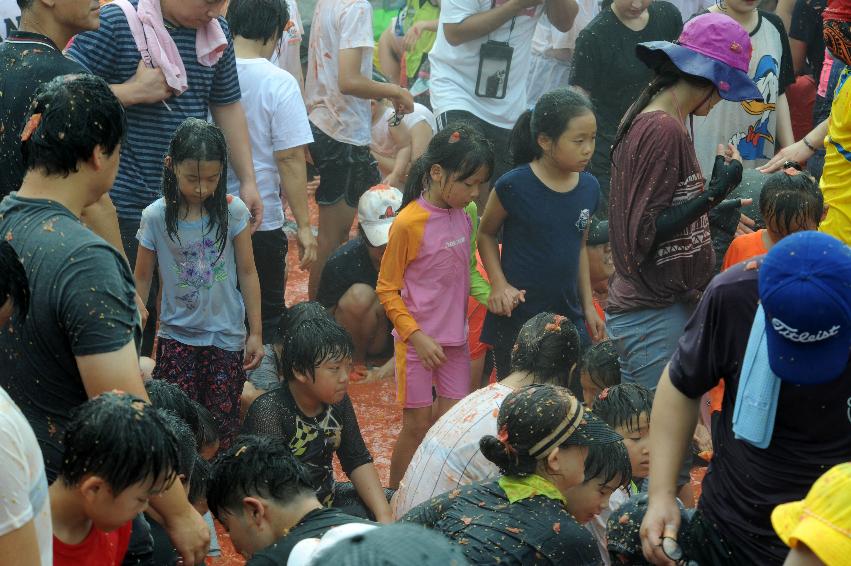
(491, 530)
(806, 26)
(313, 440)
(27, 60)
(349, 264)
(812, 431)
(83, 304)
(313, 525)
(608, 44)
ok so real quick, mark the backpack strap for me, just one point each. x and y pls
(135, 29)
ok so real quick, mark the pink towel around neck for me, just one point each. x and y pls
(158, 48)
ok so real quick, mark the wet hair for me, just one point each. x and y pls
(200, 479)
(169, 397)
(263, 20)
(602, 365)
(71, 115)
(526, 416)
(607, 462)
(121, 439)
(13, 280)
(197, 140)
(294, 316)
(551, 117)
(186, 451)
(787, 202)
(208, 428)
(310, 343)
(623, 405)
(667, 75)
(261, 466)
(460, 149)
(548, 347)
(25, 4)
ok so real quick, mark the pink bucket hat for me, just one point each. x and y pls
(712, 46)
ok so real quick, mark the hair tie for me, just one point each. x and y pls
(603, 394)
(31, 126)
(555, 325)
(502, 436)
(455, 136)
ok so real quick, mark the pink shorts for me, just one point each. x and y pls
(414, 382)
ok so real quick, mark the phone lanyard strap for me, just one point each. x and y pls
(510, 29)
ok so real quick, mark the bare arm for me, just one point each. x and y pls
(799, 54)
(402, 139)
(784, 9)
(365, 480)
(421, 135)
(353, 83)
(798, 151)
(801, 555)
(504, 297)
(785, 136)
(293, 173)
(249, 285)
(143, 272)
(562, 13)
(672, 423)
(147, 86)
(20, 547)
(483, 23)
(595, 323)
(231, 119)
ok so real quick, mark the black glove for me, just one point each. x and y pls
(725, 178)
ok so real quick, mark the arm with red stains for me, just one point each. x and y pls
(595, 323)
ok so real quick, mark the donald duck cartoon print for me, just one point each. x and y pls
(751, 143)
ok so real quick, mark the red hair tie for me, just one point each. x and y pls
(603, 394)
(455, 136)
(502, 436)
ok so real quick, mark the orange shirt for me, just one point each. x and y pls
(744, 247)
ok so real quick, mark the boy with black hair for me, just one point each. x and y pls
(790, 201)
(314, 413)
(278, 131)
(607, 470)
(265, 499)
(107, 477)
(171, 398)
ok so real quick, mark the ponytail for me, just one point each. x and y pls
(459, 148)
(551, 117)
(667, 75)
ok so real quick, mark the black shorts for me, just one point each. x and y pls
(345, 170)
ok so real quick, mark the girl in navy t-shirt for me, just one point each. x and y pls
(544, 208)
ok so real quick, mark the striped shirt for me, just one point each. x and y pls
(111, 53)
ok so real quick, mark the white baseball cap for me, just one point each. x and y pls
(308, 551)
(377, 208)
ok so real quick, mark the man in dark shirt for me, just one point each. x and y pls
(805, 37)
(265, 499)
(80, 336)
(30, 57)
(802, 286)
(347, 285)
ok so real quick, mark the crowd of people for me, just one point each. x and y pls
(598, 245)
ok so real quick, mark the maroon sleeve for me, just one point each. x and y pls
(715, 338)
(648, 166)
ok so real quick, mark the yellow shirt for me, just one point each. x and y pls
(836, 178)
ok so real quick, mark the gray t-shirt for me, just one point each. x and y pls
(83, 304)
(201, 305)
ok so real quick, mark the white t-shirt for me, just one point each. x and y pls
(339, 24)
(449, 455)
(23, 484)
(10, 17)
(547, 37)
(454, 68)
(277, 120)
(421, 113)
(287, 55)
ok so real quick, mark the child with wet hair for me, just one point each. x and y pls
(790, 201)
(607, 469)
(106, 477)
(313, 412)
(547, 351)
(522, 517)
(600, 369)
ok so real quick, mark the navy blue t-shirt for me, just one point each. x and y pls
(541, 239)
